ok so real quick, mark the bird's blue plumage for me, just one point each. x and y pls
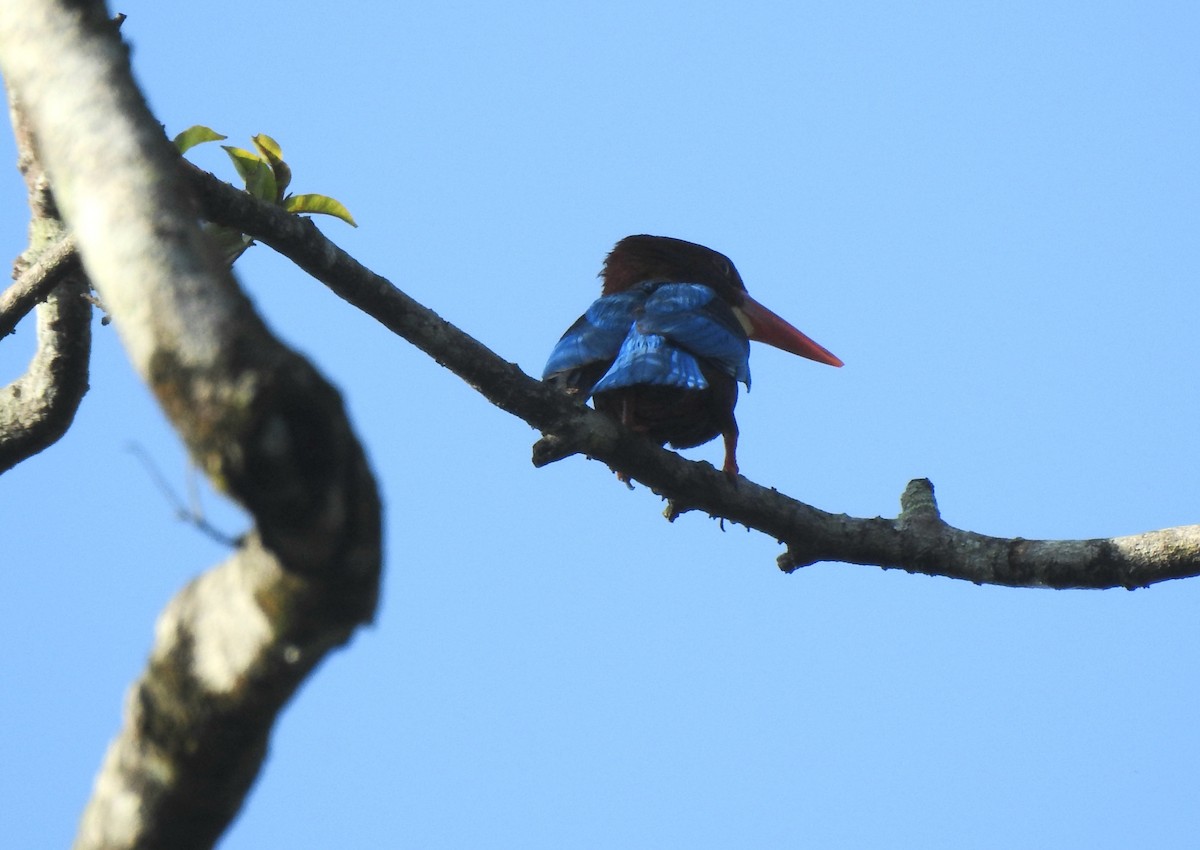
(692, 317)
(663, 352)
(597, 335)
(655, 334)
(652, 360)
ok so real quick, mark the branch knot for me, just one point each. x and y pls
(918, 504)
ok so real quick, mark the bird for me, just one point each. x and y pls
(665, 346)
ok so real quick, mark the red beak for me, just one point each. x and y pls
(767, 327)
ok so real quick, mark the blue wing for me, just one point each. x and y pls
(680, 325)
(651, 359)
(694, 318)
(656, 334)
(597, 335)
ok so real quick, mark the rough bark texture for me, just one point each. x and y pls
(38, 408)
(256, 417)
(36, 279)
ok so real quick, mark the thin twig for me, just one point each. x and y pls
(191, 515)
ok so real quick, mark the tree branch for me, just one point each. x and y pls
(37, 280)
(916, 543)
(917, 540)
(38, 408)
(264, 425)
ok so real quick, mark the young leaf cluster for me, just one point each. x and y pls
(267, 177)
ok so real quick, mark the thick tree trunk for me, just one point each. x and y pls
(256, 417)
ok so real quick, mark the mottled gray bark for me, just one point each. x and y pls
(256, 417)
(36, 277)
(37, 408)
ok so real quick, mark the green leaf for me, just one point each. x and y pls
(273, 154)
(322, 204)
(259, 176)
(230, 243)
(196, 135)
(245, 162)
(268, 147)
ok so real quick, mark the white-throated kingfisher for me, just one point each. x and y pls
(664, 347)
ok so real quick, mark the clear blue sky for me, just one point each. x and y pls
(990, 211)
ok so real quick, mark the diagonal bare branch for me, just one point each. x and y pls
(918, 543)
(917, 540)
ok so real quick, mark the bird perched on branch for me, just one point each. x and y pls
(664, 347)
